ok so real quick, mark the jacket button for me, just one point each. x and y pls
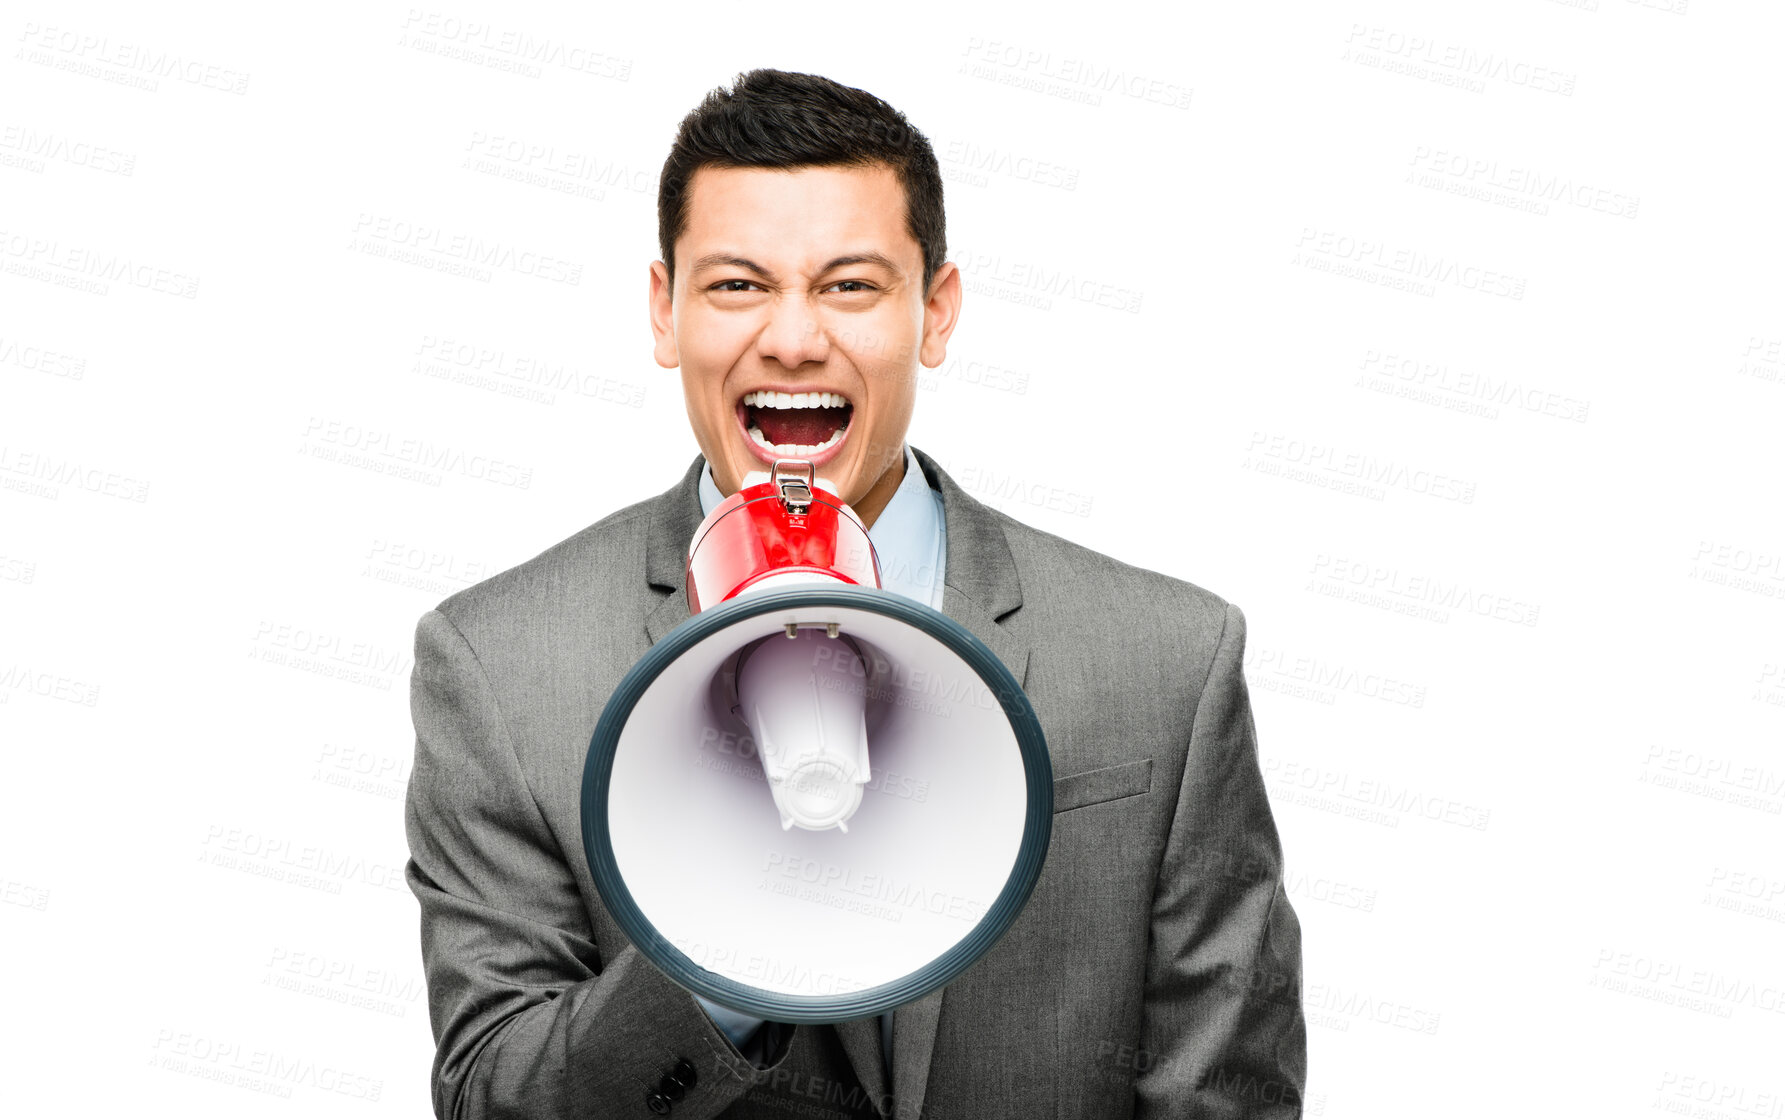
(684, 1072)
(657, 1103)
(671, 1088)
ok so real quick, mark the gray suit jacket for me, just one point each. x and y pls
(1155, 972)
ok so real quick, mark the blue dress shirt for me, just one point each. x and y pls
(911, 546)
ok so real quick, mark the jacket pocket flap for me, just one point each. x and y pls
(1106, 784)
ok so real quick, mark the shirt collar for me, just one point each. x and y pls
(910, 541)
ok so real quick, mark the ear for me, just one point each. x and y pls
(941, 311)
(663, 318)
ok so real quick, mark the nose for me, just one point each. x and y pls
(793, 335)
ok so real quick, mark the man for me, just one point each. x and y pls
(1156, 969)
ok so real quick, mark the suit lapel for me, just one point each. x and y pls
(914, 1043)
(675, 514)
(980, 585)
(980, 588)
(861, 1041)
(671, 611)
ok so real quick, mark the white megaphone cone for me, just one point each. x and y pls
(804, 701)
(799, 693)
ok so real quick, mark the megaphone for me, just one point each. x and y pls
(814, 800)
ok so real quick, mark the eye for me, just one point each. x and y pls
(732, 286)
(851, 286)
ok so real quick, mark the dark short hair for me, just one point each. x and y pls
(772, 118)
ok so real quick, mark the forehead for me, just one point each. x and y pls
(795, 215)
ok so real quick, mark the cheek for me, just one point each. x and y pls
(711, 344)
(884, 346)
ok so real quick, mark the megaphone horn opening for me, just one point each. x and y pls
(687, 849)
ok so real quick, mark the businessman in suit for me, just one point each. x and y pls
(1156, 970)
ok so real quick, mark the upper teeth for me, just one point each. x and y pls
(762, 399)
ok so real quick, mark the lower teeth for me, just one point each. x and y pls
(794, 450)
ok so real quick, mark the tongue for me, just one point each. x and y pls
(801, 426)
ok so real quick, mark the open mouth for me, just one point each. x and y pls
(795, 425)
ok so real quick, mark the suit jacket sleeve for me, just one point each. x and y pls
(528, 1020)
(1222, 1027)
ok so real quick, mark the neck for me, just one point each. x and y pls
(875, 500)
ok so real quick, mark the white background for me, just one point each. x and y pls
(1508, 540)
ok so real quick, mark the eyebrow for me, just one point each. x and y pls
(873, 258)
(724, 260)
(727, 260)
